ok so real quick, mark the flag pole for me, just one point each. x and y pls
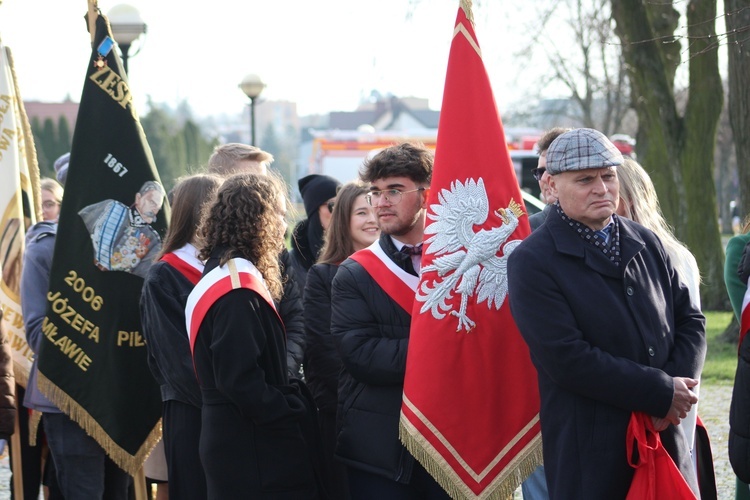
(15, 444)
(466, 6)
(139, 483)
(93, 14)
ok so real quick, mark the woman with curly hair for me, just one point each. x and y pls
(251, 442)
(165, 290)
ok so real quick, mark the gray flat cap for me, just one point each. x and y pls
(579, 149)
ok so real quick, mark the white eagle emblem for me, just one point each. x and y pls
(466, 261)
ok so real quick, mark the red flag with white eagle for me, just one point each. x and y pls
(470, 410)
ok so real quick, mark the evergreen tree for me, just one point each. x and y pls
(63, 136)
(45, 165)
(177, 142)
(283, 150)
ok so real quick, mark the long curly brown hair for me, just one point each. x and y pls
(244, 222)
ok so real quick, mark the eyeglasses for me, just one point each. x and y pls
(50, 204)
(330, 205)
(392, 196)
(538, 172)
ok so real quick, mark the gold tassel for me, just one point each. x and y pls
(28, 142)
(127, 462)
(501, 489)
(21, 376)
(466, 6)
(34, 419)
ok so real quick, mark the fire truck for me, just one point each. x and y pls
(340, 153)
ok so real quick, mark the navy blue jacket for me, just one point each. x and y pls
(606, 341)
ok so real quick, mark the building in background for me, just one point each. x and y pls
(339, 148)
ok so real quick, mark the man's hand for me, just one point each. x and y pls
(660, 424)
(682, 400)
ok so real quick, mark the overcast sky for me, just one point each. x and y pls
(323, 54)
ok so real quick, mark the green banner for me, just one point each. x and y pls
(92, 363)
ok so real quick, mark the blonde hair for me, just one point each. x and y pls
(53, 187)
(224, 159)
(642, 206)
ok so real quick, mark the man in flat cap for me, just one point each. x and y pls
(610, 327)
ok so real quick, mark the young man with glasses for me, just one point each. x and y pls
(372, 295)
(542, 177)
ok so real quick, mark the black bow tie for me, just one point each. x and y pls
(417, 250)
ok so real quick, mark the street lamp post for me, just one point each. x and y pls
(127, 26)
(252, 86)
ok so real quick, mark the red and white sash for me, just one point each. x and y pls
(745, 318)
(185, 260)
(236, 273)
(397, 283)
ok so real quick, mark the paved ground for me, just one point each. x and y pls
(713, 409)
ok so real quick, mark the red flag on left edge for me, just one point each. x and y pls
(470, 411)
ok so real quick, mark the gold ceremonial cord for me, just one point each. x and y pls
(466, 6)
(93, 14)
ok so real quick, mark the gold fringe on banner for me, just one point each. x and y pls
(35, 418)
(22, 378)
(31, 183)
(127, 462)
(28, 141)
(502, 488)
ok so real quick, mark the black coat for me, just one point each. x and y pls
(537, 219)
(251, 443)
(606, 341)
(322, 360)
(292, 313)
(372, 334)
(307, 241)
(739, 410)
(739, 415)
(163, 297)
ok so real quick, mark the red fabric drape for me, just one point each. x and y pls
(471, 406)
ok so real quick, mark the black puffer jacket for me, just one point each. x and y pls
(322, 360)
(292, 314)
(307, 241)
(371, 332)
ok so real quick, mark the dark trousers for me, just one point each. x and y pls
(367, 486)
(181, 427)
(84, 471)
(334, 472)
